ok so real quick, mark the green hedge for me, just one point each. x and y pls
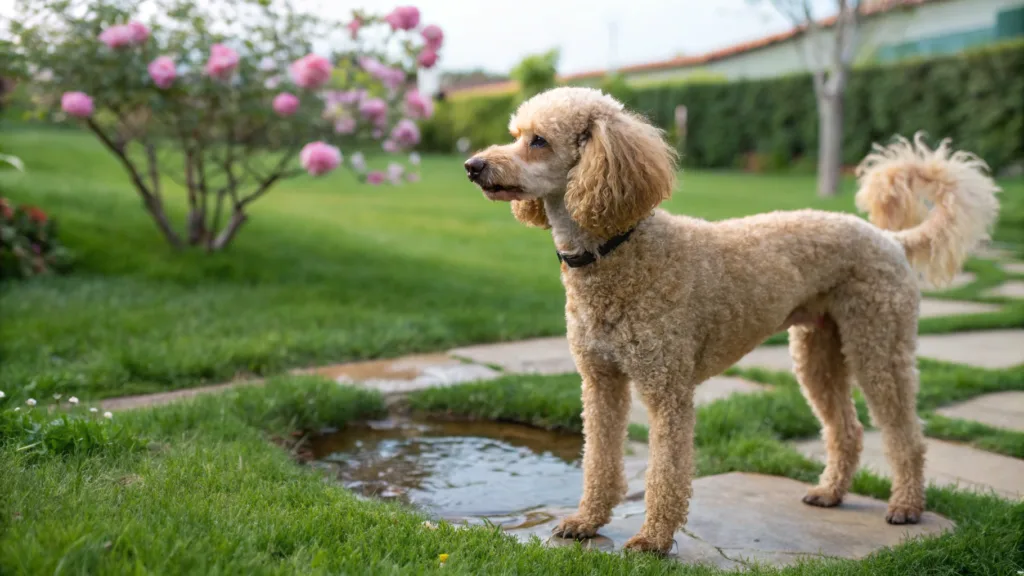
(977, 98)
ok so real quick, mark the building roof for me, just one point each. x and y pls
(872, 9)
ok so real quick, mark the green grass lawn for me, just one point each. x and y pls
(199, 488)
(326, 271)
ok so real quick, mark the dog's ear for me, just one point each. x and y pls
(625, 170)
(531, 213)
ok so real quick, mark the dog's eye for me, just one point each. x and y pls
(538, 142)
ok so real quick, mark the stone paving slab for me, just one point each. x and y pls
(936, 308)
(537, 356)
(714, 389)
(736, 519)
(408, 374)
(993, 349)
(161, 398)
(946, 464)
(999, 410)
(1009, 289)
(1013, 267)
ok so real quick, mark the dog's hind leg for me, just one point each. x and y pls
(880, 347)
(825, 381)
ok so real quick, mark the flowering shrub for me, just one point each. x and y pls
(28, 243)
(227, 109)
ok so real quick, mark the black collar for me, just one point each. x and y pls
(585, 258)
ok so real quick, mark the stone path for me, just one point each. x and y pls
(1010, 289)
(999, 410)
(946, 464)
(737, 519)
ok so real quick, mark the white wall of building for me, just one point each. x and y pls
(929, 20)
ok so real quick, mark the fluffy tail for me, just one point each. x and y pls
(940, 204)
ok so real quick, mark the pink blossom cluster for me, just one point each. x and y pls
(222, 62)
(319, 158)
(403, 18)
(133, 33)
(391, 77)
(311, 71)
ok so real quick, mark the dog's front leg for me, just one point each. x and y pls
(606, 401)
(670, 467)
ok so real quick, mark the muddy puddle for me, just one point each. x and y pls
(463, 472)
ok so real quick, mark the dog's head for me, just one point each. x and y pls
(611, 166)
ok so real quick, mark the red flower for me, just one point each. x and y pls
(35, 214)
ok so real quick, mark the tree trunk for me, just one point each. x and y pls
(228, 233)
(196, 226)
(156, 210)
(830, 143)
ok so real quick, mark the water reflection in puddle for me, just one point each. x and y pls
(465, 472)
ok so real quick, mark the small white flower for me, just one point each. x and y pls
(73, 400)
(414, 159)
(268, 64)
(93, 410)
(18, 409)
(358, 161)
(272, 83)
(2, 395)
(31, 401)
(463, 144)
(56, 396)
(108, 415)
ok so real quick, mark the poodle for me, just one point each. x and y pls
(667, 301)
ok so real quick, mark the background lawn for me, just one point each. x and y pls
(326, 271)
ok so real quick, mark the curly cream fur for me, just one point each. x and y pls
(683, 299)
(896, 182)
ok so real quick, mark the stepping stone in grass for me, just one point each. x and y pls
(999, 410)
(1009, 289)
(738, 518)
(408, 374)
(946, 464)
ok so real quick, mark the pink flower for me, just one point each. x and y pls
(345, 125)
(222, 63)
(286, 104)
(433, 36)
(118, 36)
(390, 77)
(427, 58)
(413, 177)
(268, 64)
(311, 71)
(406, 133)
(417, 105)
(354, 26)
(375, 177)
(377, 134)
(373, 108)
(77, 104)
(163, 72)
(272, 83)
(403, 18)
(139, 32)
(319, 158)
(389, 146)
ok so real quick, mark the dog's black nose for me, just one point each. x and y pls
(474, 167)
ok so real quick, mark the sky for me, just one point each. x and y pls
(591, 34)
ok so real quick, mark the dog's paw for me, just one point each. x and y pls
(642, 543)
(903, 514)
(577, 527)
(822, 498)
